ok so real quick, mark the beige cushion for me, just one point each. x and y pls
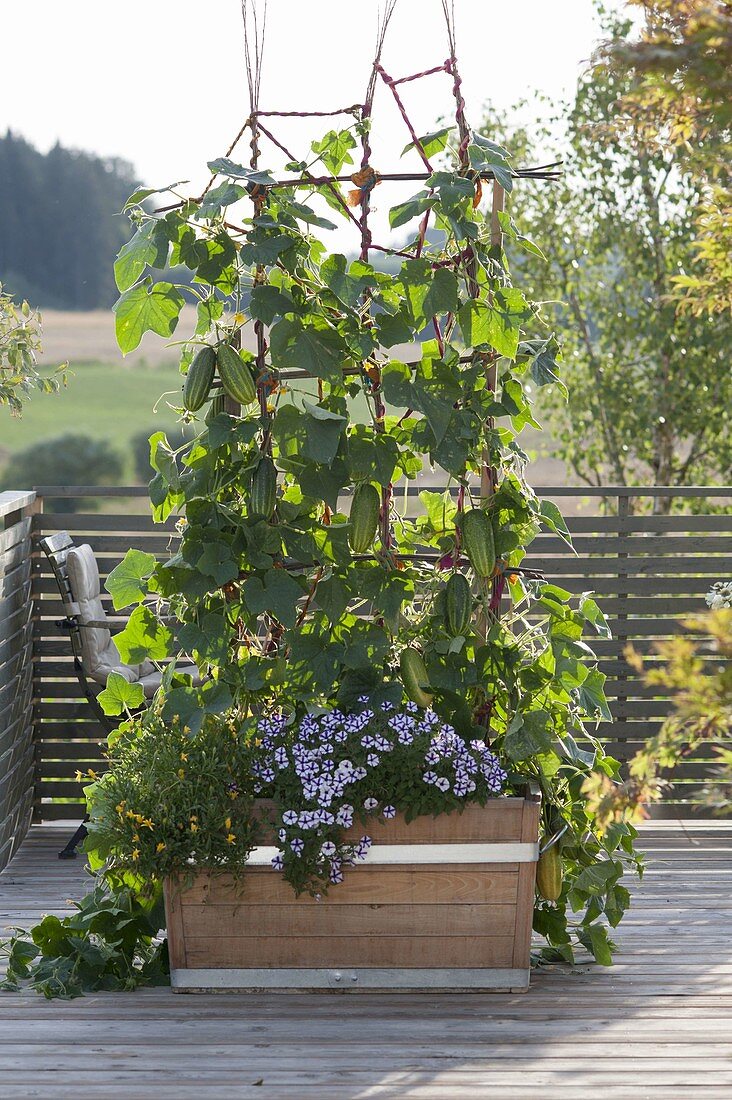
(99, 653)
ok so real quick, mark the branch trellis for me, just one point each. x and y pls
(477, 161)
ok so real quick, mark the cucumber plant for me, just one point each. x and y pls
(285, 599)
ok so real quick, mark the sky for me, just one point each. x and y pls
(162, 83)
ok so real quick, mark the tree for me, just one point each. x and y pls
(59, 223)
(650, 387)
(66, 460)
(680, 68)
(20, 340)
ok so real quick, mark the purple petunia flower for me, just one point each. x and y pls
(373, 760)
(389, 811)
(298, 845)
(289, 817)
(430, 777)
(344, 816)
(328, 849)
(370, 804)
(278, 862)
(362, 848)
(443, 784)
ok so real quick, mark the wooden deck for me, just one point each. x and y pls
(658, 1024)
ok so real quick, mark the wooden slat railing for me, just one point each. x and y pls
(647, 570)
(16, 669)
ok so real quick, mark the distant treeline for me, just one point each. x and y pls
(60, 227)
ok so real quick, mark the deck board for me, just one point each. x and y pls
(658, 1024)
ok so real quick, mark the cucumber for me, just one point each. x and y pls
(199, 378)
(364, 518)
(263, 494)
(549, 874)
(414, 677)
(458, 604)
(236, 376)
(476, 530)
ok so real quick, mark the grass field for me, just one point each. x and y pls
(105, 401)
(112, 398)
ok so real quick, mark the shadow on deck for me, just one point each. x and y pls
(657, 1024)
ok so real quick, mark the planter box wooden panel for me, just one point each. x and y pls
(439, 884)
(440, 903)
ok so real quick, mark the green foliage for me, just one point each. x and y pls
(284, 612)
(120, 695)
(108, 943)
(139, 445)
(66, 460)
(650, 392)
(170, 796)
(680, 70)
(59, 223)
(695, 671)
(272, 601)
(20, 341)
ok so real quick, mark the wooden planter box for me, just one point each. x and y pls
(442, 903)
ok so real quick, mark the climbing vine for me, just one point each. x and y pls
(305, 575)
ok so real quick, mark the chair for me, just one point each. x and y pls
(95, 654)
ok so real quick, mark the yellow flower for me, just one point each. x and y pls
(92, 773)
(135, 837)
(227, 824)
(239, 318)
(148, 823)
(160, 847)
(194, 817)
(135, 853)
(194, 828)
(181, 773)
(79, 776)
(230, 838)
(131, 814)
(186, 729)
(120, 808)
(184, 757)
